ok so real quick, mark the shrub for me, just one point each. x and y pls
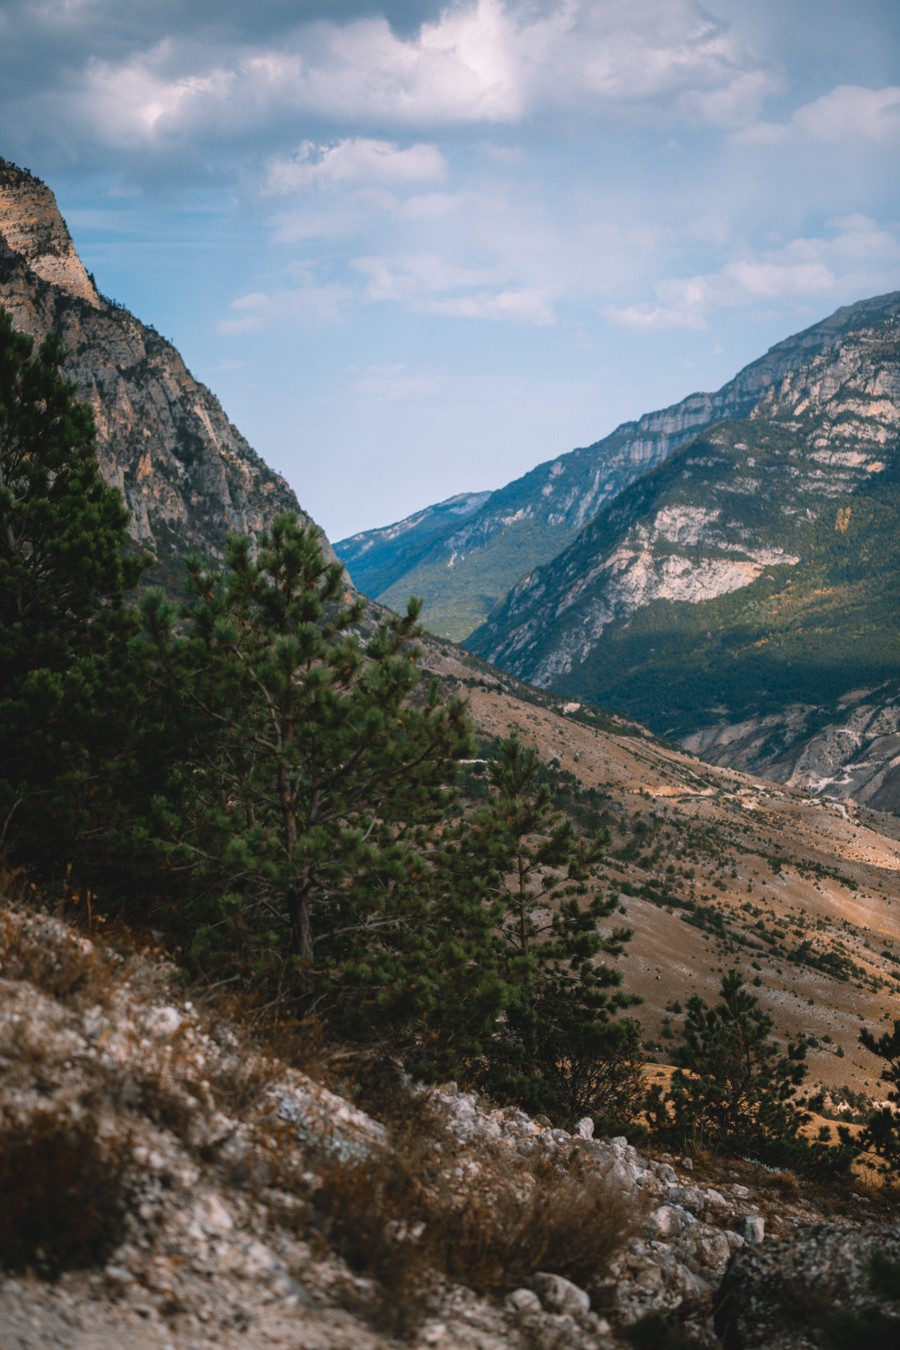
(415, 1211)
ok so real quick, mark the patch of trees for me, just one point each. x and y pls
(261, 773)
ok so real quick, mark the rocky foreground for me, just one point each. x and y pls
(166, 1183)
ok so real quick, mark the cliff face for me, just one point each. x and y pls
(468, 565)
(742, 597)
(188, 476)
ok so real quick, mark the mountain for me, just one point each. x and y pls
(743, 596)
(465, 554)
(187, 475)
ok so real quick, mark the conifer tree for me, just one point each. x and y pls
(313, 764)
(735, 1090)
(64, 576)
(882, 1132)
(560, 1046)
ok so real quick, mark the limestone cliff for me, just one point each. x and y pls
(188, 476)
(742, 597)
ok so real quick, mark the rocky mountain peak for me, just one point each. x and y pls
(188, 476)
(32, 227)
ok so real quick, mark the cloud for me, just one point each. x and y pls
(852, 261)
(180, 81)
(354, 160)
(429, 284)
(309, 302)
(847, 113)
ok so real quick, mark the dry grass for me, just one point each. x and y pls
(70, 969)
(424, 1209)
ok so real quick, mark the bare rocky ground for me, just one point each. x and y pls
(219, 1195)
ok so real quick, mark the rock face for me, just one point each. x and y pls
(188, 476)
(741, 597)
(463, 561)
(787, 1294)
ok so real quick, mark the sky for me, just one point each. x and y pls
(417, 248)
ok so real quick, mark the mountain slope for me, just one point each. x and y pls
(187, 475)
(463, 568)
(743, 596)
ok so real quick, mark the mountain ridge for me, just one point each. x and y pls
(466, 567)
(187, 474)
(753, 573)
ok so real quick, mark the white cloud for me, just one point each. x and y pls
(847, 113)
(309, 302)
(482, 61)
(517, 306)
(357, 159)
(853, 260)
(429, 284)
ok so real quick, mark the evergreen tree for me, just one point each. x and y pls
(64, 575)
(559, 1046)
(313, 764)
(735, 1088)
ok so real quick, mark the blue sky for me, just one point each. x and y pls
(417, 248)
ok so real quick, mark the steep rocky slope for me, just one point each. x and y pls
(463, 567)
(743, 596)
(169, 1183)
(188, 476)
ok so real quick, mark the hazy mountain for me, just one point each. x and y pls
(187, 474)
(743, 596)
(464, 555)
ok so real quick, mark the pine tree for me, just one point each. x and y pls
(735, 1090)
(64, 576)
(313, 764)
(559, 1047)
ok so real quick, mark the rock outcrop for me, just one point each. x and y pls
(789, 1294)
(188, 476)
(207, 1225)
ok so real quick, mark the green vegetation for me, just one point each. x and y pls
(262, 774)
(64, 575)
(735, 1090)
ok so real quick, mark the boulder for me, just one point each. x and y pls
(784, 1294)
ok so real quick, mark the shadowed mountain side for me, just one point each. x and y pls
(754, 575)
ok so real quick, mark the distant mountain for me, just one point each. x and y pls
(744, 595)
(464, 555)
(188, 476)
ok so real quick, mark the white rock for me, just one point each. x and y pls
(584, 1129)
(523, 1300)
(716, 1200)
(559, 1295)
(163, 1023)
(668, 1221)
(211, 1216)
(753, 1229)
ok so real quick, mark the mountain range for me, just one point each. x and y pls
(725, 571)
